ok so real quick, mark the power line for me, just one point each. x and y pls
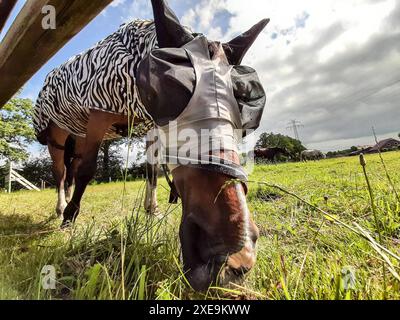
(352, 98)
(295, 125)
(377, 90)
(372, 90)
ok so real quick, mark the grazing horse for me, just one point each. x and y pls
(270, 153)
(158, 74)
(311, 155)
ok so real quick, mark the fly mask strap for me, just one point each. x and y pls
(228, 168)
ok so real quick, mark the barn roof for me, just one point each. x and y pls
(385, 143)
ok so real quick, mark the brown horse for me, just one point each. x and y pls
(270, 154)
(217, 233)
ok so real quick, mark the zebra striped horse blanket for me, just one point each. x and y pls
(101, 78)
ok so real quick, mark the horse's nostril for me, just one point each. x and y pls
(254, 237)
(231, 275)
(200, 278)
(240, 271)
(254, 234)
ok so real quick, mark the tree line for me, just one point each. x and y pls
(293, 146)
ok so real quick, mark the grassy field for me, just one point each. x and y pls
(314, 229)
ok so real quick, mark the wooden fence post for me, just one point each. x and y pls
(9, 176)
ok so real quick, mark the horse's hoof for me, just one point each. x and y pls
(70, 213)
(60, 209)
(66, 224)
(154, 212)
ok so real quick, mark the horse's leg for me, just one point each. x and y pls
(56, 140)
(98, 124)
(70, 180)
(150, 201)
(72, 169)
(152, 167)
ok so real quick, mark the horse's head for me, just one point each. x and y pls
(191, 85)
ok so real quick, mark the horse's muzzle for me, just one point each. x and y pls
(223, 270)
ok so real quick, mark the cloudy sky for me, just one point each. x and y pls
(333, 65)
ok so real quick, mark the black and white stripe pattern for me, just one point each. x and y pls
(102, 78)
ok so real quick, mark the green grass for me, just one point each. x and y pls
(116, 252)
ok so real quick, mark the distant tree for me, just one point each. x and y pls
(38, 169)
(16, 130)
(330, 154)
(341, 153)
(109, 161)
(137, 170)
(110, 165)
(270, 140)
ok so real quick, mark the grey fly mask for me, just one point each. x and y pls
(227, 101)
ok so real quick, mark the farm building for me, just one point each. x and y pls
(384, 145)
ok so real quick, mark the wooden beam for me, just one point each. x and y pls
(27, 46)
(6, 6)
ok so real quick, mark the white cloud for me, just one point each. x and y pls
(137, 9)
(117, 3)
(201, 16)
(321, 62)
(113, 4)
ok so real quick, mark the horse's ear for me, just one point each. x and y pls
(170, 33)
(236, 49)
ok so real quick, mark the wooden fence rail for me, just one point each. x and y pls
(13, 175)
(27, 46)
